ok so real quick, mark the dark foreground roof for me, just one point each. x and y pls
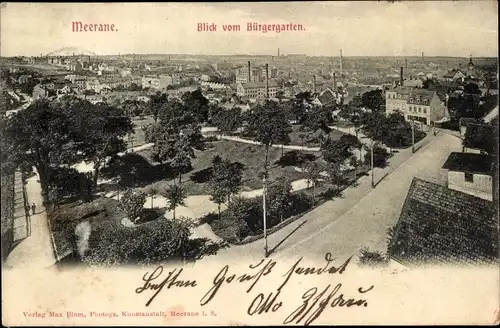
(470, 162)
(440, 225)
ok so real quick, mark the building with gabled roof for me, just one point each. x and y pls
(419, 105)
(438, 225)
(471, 173)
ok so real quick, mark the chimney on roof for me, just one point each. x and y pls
(314, 84)
(267, 81)
(249, 72)
(401, 77)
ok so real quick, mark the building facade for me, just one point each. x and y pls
(471, 173)
(256, 90)
(419, 105)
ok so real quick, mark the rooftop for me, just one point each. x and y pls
(470, 162)
(440, 225)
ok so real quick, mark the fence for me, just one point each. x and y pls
(7, 213)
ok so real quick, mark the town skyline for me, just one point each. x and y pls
(386, 34)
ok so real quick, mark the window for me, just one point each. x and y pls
(425, 110)
(469, 177)
(419, 109)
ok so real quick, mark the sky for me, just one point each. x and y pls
(458, 28)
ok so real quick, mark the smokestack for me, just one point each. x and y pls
(278, 52)
(249, 72)
(314, 84)
(402, 79)
(267, 81)
(340, 62)
(422, 57)
(406, 67)
(334, 82)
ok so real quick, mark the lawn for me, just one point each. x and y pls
(138, 138)
(295, 137)
(250, 157)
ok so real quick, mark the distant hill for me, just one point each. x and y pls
(69, 51)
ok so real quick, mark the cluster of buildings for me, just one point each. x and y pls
(452, 223)
(160, 82)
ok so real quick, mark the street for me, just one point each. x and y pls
(360, 217)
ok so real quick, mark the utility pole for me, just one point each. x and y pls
(412, 136)
(264, 191)
(371, 155)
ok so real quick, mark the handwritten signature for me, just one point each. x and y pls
(314, 300)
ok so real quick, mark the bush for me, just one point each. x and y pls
(295, 158)
(371, 258)
(146, 244)
(209, 218)
(133, 203)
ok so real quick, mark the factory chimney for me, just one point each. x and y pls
(267, 81)
(278, 52)
(401, 77)
(340, 62)
(334, 82)
(249, 72)
(314, 84)
(406, 67)
(422, 57)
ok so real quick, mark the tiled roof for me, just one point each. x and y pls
(440, 225)
(327, 97)
(469, 162)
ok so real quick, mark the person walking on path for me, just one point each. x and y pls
(33, 208)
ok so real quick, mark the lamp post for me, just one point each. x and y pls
(264, 191)
(412, 136)
(371, 156)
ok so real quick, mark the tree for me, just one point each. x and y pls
(40, 136)
(318, 119)
(374, 100)
(225, 180)
(279, 196)
(480, 136)
(175, 195)
(472, 88)
(269, 125)
(175, 138)
(337, 151)
(133, 203)
(157, 104)
(197, 104)
(227, 121)
(335, 174)
(312, 173)
(380, 156)
(300, 104)
(102, 129)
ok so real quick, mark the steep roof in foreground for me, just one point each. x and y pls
(440, 225)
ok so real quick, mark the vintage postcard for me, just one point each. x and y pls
(216, 164)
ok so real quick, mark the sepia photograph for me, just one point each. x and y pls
(237, 163)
